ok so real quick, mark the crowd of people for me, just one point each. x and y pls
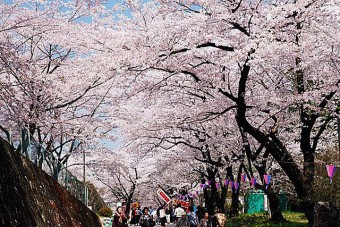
(182, 217)
(198, 218)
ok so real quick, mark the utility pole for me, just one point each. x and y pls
(84, 178)
(66, 183)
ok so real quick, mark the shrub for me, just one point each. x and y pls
(105, 211)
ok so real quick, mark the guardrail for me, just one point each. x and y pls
(38, 155)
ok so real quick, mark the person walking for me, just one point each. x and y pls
(153, 213)
(206, 221)
(168, 215)
(133, 215)
(138, 215)
(119, 219)
(146, 219)
(162, 217)
(192, 217)
(183, 221)
(179, 212)
(220, 218)
(200, 212)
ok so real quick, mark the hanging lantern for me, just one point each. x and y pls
(231, 184)
(253, 182)
(236, 185)
(330, 171)
(217, 185)
(243, 177)
(267, 178)
(226, 182)
(202, 186)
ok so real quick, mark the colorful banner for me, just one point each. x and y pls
(184, 204)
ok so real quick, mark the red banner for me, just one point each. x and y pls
(184, 204)
(163, 196)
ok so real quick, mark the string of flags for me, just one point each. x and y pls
(234, 185)
(267, 178)
(184, 197)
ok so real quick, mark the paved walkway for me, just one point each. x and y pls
(166, 224)
(106, 222)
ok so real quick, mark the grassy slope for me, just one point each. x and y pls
(260, 219)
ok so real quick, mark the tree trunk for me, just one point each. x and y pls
(234, 203)
(220, 202)
(274, 205)
(307, 199)
(129, 198)
(211, 197)
(235, 193)
(127, 208)
(273, 197)
(302, 181)
(308, 209)
(209, 202)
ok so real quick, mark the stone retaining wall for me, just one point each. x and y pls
(30, 197)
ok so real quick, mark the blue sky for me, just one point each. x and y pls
(108, 4)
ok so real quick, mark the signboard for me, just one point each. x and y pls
(184, 204)
(163, 196)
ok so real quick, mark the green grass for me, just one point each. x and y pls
(260, 219)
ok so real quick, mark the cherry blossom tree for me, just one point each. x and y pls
(252, 60)
(259, 73)
(52, 91)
